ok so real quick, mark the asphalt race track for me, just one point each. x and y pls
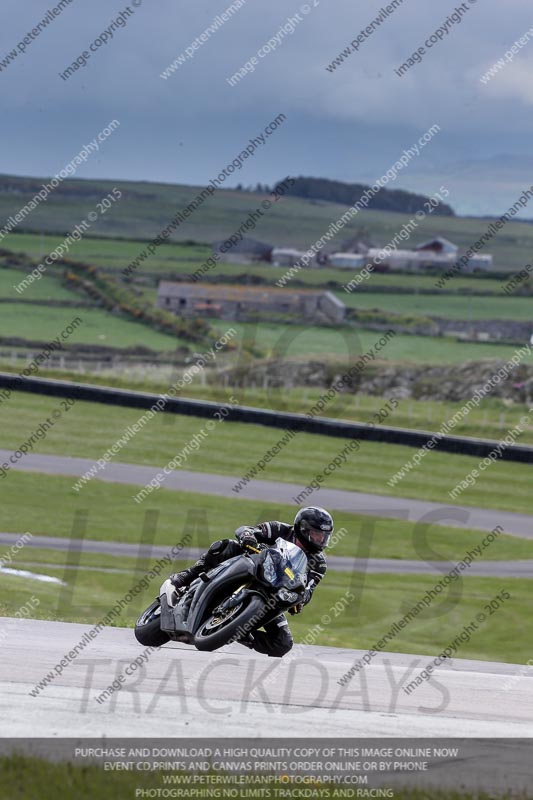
(269, 491)
(179, 691)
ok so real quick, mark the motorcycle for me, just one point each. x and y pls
(228, 602)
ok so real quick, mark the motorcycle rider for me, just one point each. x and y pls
(311, 531)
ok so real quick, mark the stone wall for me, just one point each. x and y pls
(444, 382)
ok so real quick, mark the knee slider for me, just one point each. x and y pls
(289, 644)
(283, 646)
(285, 640)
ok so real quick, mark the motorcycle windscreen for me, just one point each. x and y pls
(285, 565)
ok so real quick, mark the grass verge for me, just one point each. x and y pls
(106, 512)
(89, 429)
(334, 618)
(29, 778)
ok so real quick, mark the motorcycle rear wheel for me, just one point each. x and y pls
(148, 627)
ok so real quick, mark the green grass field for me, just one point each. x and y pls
(385, 598)
(282, 341)
(199, 519)
(304, 341)
(25, 777)
(88, 430)
(48, 288)
(412, 282)
(44, 323)
(29, 778)
(114, 254)
(448, 306)
(102, 327)
(274, 339)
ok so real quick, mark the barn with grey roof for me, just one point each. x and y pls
(246, 302)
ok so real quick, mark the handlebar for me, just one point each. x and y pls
(257, 549)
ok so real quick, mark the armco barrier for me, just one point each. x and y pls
(461, 445)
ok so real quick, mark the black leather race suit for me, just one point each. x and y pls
(275, 639)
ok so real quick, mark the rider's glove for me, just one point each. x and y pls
(298, 608)
(246, 537)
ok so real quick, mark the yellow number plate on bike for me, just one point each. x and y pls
(289, 572)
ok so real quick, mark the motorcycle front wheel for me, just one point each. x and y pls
(231, 625)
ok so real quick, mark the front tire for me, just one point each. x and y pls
(217, 631)
(148, 627)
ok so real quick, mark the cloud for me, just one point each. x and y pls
(513, 83)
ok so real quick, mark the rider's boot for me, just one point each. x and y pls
(180, 580)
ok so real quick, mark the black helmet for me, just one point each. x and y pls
(314, 526)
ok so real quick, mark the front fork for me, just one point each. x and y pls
(231, 601)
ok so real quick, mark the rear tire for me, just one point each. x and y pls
(211, 636)
(148, 627)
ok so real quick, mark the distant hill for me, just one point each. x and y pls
(348, 194)
(147, 208)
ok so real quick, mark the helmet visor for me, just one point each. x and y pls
(320, 538)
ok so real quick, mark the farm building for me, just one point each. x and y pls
(479, 262)
(441, 246)
(438, 245)
(241, 303)
(286, 257)
(410, 259)
(347, 260)
(437, 253)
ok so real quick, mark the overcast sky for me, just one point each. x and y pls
(348, 124)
